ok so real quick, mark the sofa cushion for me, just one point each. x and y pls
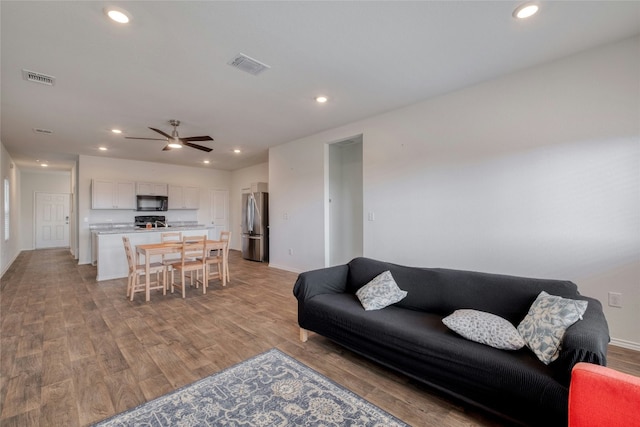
(442, 291)
(485, 328)
(546, 322)
(380, 292)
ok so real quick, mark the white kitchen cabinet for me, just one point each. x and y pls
(184, 197)
(109, 194)
(151, 189)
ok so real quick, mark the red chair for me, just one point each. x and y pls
(602, 397)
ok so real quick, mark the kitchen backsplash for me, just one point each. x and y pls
(128, 216)
(107, 226)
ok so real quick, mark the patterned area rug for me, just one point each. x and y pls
(270, 389)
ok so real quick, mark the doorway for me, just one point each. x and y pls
(52, 220)
(219, 212)
(345, 201)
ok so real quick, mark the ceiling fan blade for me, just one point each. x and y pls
(151, 139)
(198, 147)
(160, 132)
(197, 138)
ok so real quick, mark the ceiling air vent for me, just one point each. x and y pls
(43, 131)
(247, 64)
(32, 76)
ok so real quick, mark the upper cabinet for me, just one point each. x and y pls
(151, 189)
(109, 194)
(184, 197)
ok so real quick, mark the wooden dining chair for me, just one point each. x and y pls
(135, 282)
(225, 236)
(192, 261)
(214, 258)
(170, 237)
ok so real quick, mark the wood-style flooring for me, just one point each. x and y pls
(74, 351)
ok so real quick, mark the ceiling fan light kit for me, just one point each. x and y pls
(117, 14)
(174, 140)
(526, 10)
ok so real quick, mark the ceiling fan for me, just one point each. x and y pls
(174, 140)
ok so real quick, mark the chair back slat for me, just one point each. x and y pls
(193, 247)
(129, 253)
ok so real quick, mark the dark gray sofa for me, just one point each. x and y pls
(410, 337)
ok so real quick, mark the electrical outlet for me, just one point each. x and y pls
(372, 216)
(615, 299)
(290, 251)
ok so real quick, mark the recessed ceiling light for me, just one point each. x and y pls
(116, 131)
(321, 99)
(237, 151)
(44, 165)
(525, 10)
(206, 162)
(117, 14)
(102, 148)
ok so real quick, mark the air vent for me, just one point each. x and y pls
(32, 76)
(247, 64)
(43, 131)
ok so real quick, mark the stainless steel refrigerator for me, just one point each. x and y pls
(255, 226)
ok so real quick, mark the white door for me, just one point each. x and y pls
(219, 211)
(52, 220)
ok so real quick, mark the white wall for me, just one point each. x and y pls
(242, 178)
(41, 182)
(90, 167)
(9, 249)
(533, 174)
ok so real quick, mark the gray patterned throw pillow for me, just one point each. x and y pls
(380, 292)
(485, 328)
(546, 322)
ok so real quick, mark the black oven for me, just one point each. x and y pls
(154, 221)
(152, 203)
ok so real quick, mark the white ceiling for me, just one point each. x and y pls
(170, 62)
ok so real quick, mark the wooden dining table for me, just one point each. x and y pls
(151, 249)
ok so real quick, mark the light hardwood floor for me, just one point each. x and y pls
(74, 351)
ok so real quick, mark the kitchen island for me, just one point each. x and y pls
(110, 257)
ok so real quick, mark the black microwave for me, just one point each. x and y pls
(152, 203)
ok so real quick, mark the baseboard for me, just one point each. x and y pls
(285, 268)
(6, 267)
(625, 344)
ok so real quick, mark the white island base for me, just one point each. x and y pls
(111, 259)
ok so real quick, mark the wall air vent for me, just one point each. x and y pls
(43, 131)
(247, 64)
(32, 76)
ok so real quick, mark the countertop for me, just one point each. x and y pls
(127, 229)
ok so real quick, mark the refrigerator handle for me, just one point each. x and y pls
(250, 213)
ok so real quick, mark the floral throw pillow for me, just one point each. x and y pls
(380, 292)
(546, 322)
(485, 328)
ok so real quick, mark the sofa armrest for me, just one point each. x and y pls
(585, 341)
(330, 280)
(601, 396)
